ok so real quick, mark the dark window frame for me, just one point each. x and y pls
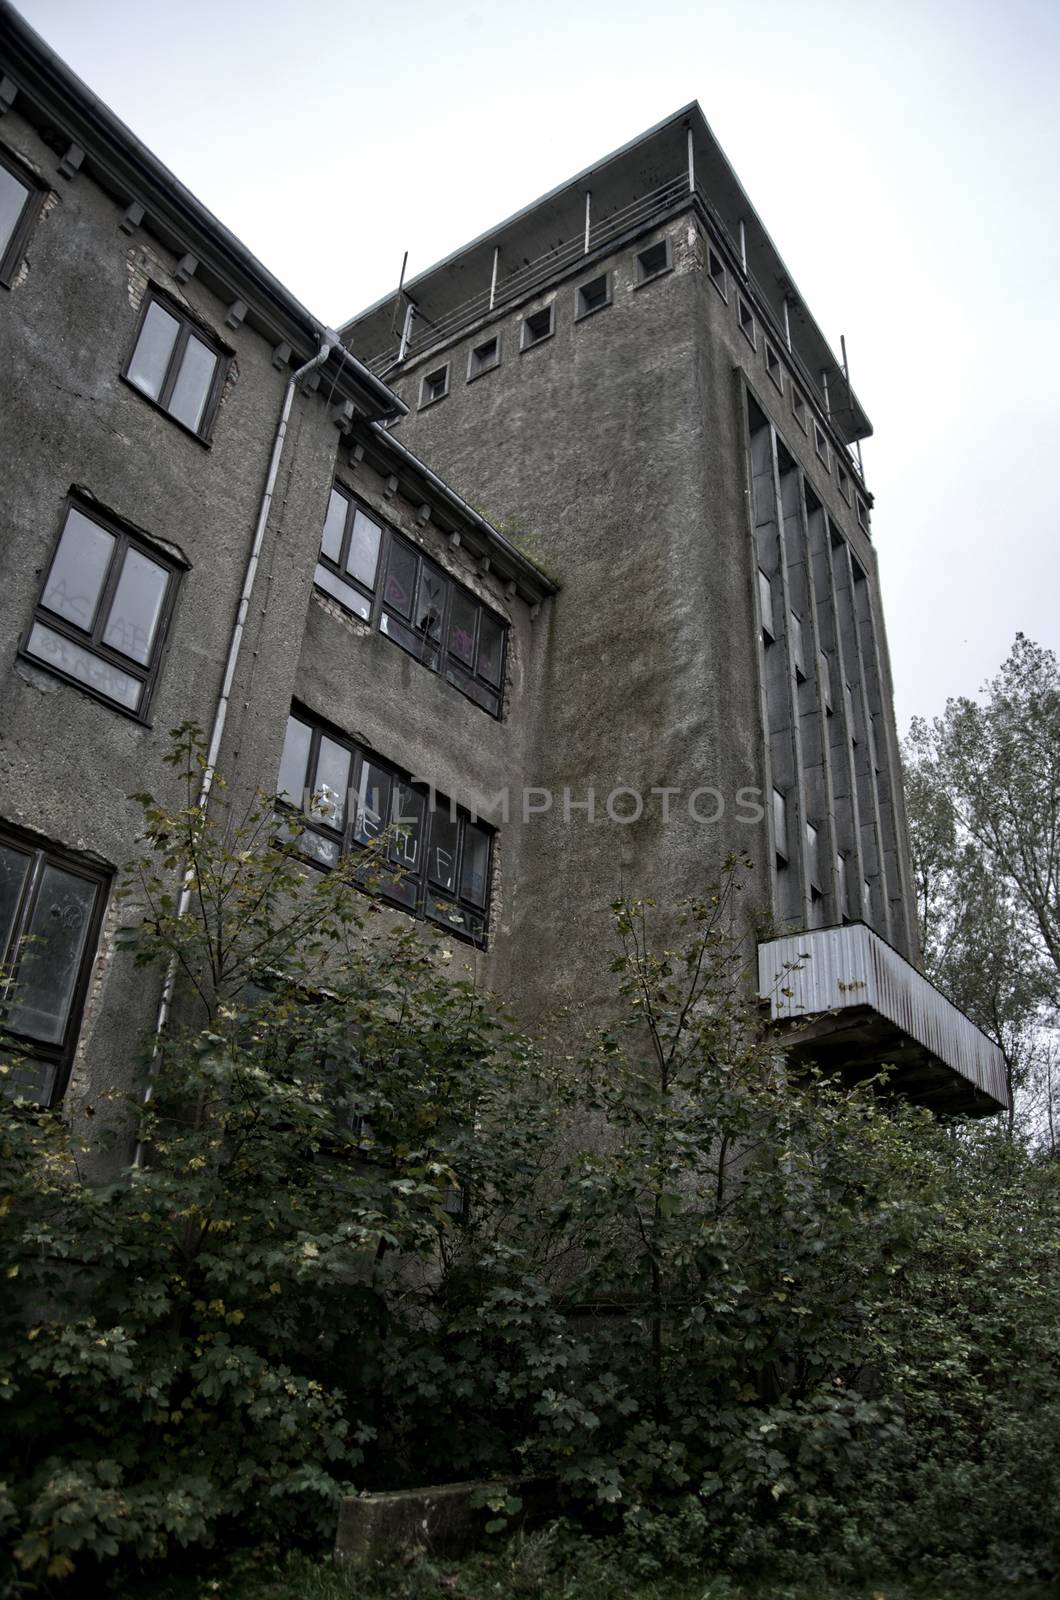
(452, 667)
(126, 538)
(528, 338)
(774, 369)
(716, 272)
(429, 899)
(820, 444)
(647, 274)
(189, 325)
(581, 310)
(430, 399)
(11, 259)
(746, 318)
(58, 1057)
(368, 592)
(477, 369)
(799, 408)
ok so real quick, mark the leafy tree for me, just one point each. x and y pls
(983, 790)
(730, 1311)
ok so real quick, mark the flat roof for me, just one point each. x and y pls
(637, 170)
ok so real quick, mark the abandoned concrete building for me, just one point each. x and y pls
(641, 631)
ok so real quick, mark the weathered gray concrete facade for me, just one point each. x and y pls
(104, 233)
(641, 633)
(626, 377)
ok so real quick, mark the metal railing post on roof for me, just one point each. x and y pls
(743, 247)
(493, 280)
(691, 165)
(787, 323)
(588, 200)
(824, 386)
(410, 312)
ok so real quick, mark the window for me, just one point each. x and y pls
(443, 625)
(435, 859)
(863, 513)
(435, 386)
(820, 442)
(418, 605)
(653, 262)
(773, 367)
(798, 406)
(765, 600)
(852, 725)
(747, 322)
(51, 905)
(826, 683)
(103, 611)
(593, 296)
(844, 483)
(796, 647)
(349, 554)
(538, 326)
(716, 271)
(17, 212)
(176, 366)
(780, 827)
(484, 358)
(841, 886)
(813, 857)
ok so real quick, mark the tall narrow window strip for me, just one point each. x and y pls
(780, 823)
(765, 597)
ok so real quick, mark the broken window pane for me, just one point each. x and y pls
(51, 955)
(330, 783)
(14, 869)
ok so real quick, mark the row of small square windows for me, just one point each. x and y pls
(589, 297)
(594, 296)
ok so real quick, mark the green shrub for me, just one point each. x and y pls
(742, 1319)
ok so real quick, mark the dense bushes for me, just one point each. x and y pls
(380, 1239)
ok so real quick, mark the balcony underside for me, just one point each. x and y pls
(844, 999)
(860, 1043)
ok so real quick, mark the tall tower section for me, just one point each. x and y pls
(625, 378)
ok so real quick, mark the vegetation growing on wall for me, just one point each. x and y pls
(737, 1316)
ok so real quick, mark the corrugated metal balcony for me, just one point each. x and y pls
(845, 999)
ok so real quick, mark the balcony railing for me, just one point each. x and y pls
(425, 332)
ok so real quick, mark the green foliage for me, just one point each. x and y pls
(983, 796)
(741, 1319)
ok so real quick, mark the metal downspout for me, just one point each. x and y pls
(330, 342)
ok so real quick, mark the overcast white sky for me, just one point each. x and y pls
(904, 156)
